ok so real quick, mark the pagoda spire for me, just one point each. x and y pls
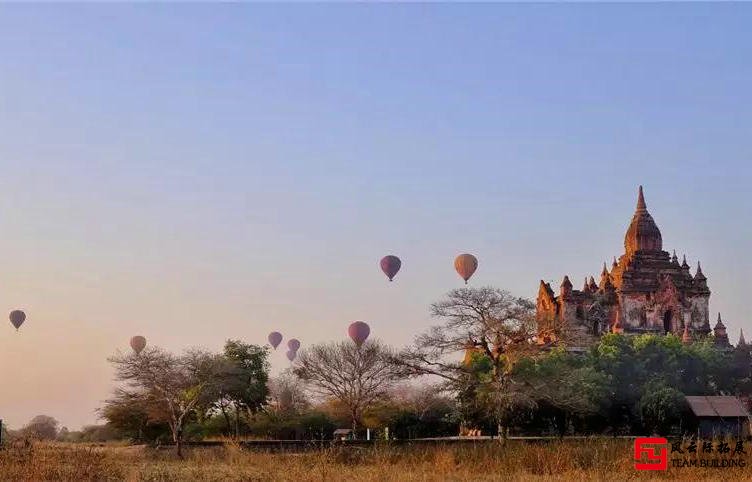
(700, 281)
(720, 335)
(566, 287)
(545, 291)
(699, 275)
(643, 234)
(641, 206)
(605, 283)
(593, 286)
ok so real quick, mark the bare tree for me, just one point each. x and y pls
(485, 322)
(422, 399)
(168, 386)
(355, 376)
(286, 395)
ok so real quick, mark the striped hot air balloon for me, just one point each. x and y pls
(465, 264)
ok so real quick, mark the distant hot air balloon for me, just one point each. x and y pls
(291, 354)
(390, 265)
(275, 338)
(293, 344)
(466, 264)
(17, 317)
(358, 332)
(138, 343)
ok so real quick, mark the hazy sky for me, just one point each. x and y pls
(193, 173)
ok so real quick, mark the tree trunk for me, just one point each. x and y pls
(561, 422)
(249, 414)
(503, 433)
(354, 422)
(227, 418)
(179, 442)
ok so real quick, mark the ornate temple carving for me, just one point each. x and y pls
(646, 290)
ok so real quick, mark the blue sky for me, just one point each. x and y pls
(198, 172)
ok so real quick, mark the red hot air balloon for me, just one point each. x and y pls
(293, 344)
(275, 338)
(138, 343)
(358, 332)
(465, 264)
(390, 265)
(17, 317)
(291, 355)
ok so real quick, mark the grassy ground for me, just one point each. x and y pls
(582, 460)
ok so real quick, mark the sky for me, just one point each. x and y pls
(194, 173)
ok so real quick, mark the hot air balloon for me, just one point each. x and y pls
(293, 344)
(291, 354)
(138, 343)
(465, 264)
(358, 332)
(275, 338)
(17, 317)
(390, 265)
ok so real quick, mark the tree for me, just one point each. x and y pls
(242, 380)
(167, 387)
(414, 411)
(128, 413)
(42, 427)
(64, 434)
(286, 396)
(661, 407)
(740, 370)
(355, 376)
(494, 329)
(560, 387)
(4, 433)
(647, 373)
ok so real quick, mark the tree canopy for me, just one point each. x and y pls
(356, 376)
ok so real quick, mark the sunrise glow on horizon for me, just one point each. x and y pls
(197, 173)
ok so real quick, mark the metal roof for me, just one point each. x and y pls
(717, 406)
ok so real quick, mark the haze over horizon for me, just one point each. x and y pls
(195, 173)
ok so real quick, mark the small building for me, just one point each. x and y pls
(344, 434)
(719, 415)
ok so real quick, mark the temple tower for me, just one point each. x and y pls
(645, 291)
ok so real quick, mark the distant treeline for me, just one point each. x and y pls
(506, 383)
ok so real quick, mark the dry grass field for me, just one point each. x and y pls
(519, 461)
